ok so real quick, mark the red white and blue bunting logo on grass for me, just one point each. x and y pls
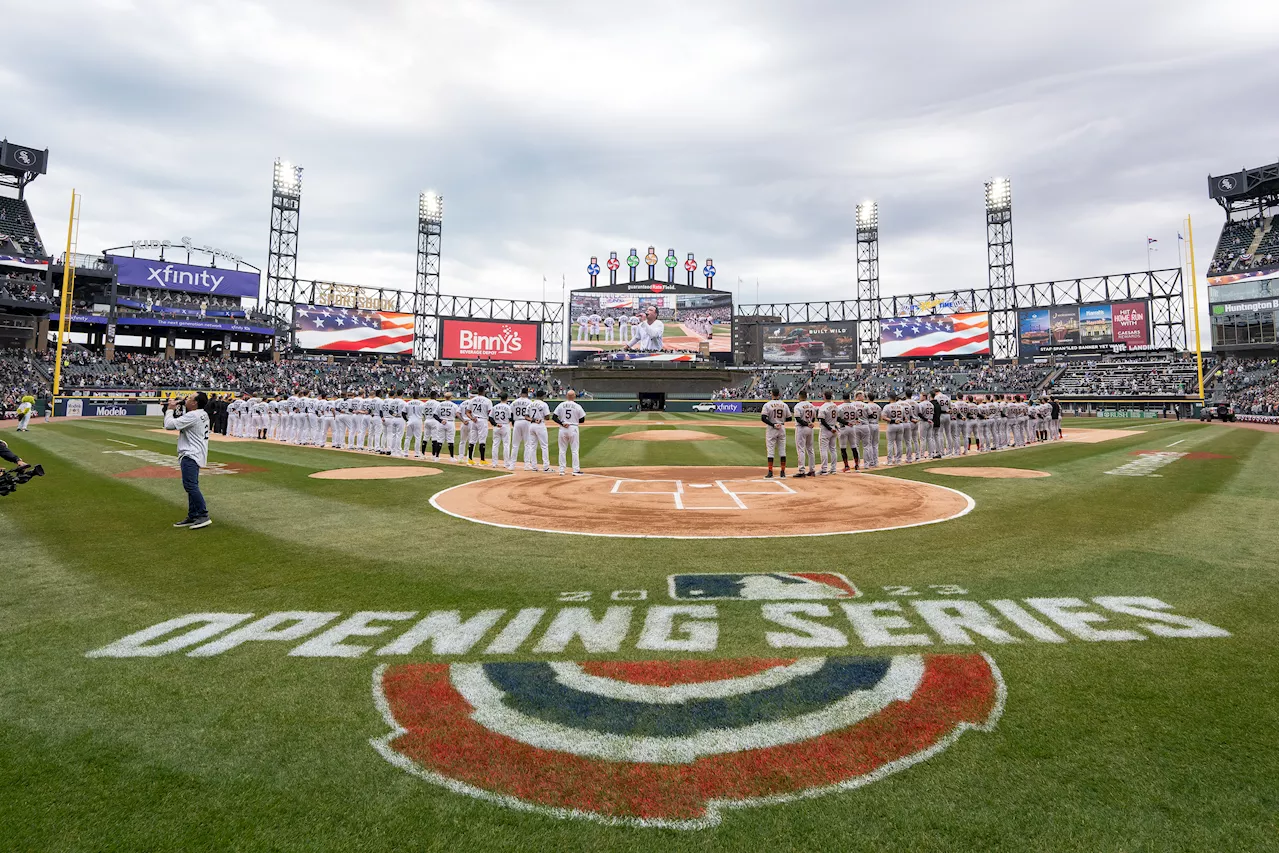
(674, 743)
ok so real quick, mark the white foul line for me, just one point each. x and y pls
(125, 443)
(1179, 441)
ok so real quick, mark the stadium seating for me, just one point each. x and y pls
(1245, 245)
(22, 286)
(1248, 385)
(881, 380)
(1161, 375)
(22, 372)
(18, 228)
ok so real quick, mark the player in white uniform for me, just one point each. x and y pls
(431, 426)
(328, 411)
(395, 423)
(537, 439)
(520, 427)
(805, 414)
(475, 424)
(447, 415)
(828, 435)
(500, 418)
(413, 428)
(582, 327)
(568, 415)
(775, 414)
(608, 328)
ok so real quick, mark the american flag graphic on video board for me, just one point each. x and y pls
(325, 327)
(921, 337)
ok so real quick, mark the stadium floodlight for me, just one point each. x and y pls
(287, 178)
(868, 215)
(999, 194)
(430, 206)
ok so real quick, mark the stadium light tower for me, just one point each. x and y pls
(1002, 296)
(282, 245)
(426, 289)
(867, 222)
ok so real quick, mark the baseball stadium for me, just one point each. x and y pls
(294, 564)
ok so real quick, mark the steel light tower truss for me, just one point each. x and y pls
(867, 219)
(426, 285)
(1162, 289)
(282, 245)
(1000, 283)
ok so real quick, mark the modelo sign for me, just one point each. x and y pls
(488, 340)
(141, 272)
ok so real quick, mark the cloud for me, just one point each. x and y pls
(745, 132)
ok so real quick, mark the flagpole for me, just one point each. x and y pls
(1195, 302)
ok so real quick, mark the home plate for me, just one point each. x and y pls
(380, 472)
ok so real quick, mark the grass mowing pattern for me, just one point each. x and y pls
(1157, 745)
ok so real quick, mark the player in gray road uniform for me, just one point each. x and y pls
(894, 415)
(775, 414)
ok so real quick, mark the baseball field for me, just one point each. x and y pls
(1076, 652)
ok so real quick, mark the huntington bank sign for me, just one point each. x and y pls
(165, 275)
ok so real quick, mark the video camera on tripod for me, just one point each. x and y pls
(11, 479)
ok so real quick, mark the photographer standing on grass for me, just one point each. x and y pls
(193, 453)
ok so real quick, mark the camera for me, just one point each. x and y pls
(10, 480)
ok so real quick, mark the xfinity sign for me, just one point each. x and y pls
(142, 272)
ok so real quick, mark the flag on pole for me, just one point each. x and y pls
(1151, 240)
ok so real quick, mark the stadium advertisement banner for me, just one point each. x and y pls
(194, 325)
(143, 272)
(327, 328)
(1248, 307)
(945, 335)
(602, 321)
(1083, 328)
(462, 339)
(801, 343)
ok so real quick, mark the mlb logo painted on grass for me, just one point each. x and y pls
(761, 586)
(673, 743)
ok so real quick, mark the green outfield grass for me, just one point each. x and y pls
(1150, 744)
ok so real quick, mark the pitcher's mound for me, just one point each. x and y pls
(667, 435)
(700, 503)
(989, 473)
(380, 472)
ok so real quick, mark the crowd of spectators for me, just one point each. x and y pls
(18, 234)
(1162, 375)
(1248, 385)
(22, 372)
(84, 370)
(1236, 252)
(880, 380)
(23, 285)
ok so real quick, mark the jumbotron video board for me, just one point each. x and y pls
(802, 343)
(1083, 328)
(328, 328)
(605, 321)
(936, 336)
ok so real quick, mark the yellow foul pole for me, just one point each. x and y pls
(1195, 303)
(64, 308)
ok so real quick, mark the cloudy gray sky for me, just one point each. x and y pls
(744, 131)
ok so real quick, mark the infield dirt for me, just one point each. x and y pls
(700, 502)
